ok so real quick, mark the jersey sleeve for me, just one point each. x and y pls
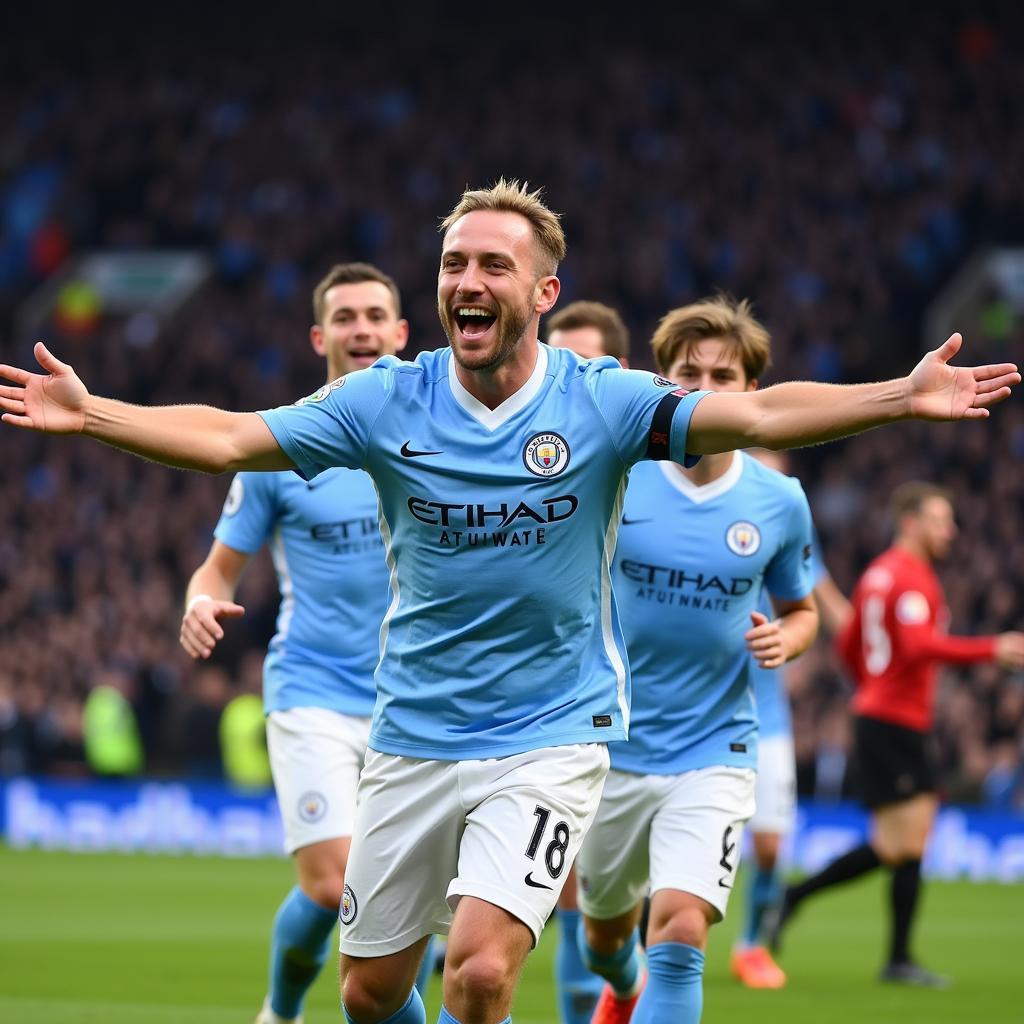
(790, 574)
(648, 416)
(249, 512)
(921, 640)
(332, 426)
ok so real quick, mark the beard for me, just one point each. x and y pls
(512, 325)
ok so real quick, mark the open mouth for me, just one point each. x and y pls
(474, 321)
(363, 356)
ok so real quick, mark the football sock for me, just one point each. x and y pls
(298, 949)
(412, 1013)
(675, 985)
(906, 887)
(426, 968)
(621, 969)
(857, 862)
(763, 893)
(447, 1018)
(577, 988)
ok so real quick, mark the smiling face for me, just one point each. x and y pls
(359, 326)
(712, 364)
(489, 289)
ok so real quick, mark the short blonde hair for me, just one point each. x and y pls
(515, 197)
(717, 317)
(608, 323)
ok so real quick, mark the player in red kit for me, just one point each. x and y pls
(892, 646)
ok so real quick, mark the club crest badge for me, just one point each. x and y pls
(312, 806)
(546, 454)
(349, 907)
(743, 538)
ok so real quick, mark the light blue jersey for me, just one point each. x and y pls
(502, 634)
(770, 697)
(326, 546)
(689, 569)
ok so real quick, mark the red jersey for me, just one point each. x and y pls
(897, 636)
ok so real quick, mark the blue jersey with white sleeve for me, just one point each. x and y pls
(770, 696)
(502, 634)
(689, 569)
(325, 542)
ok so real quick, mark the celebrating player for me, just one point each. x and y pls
(697, 547)
(775, 786)
(500, 466)
(892, 646)
(590, 329)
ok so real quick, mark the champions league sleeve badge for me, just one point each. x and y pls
(546, 454)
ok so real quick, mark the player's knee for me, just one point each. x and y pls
(688, 925)
(483, 977)
(325, 890)
(366, 1001)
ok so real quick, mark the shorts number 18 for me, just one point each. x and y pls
(554, 855)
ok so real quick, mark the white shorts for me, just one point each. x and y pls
(671, 831)
(505, 830)
(775, 789)
(315, 757)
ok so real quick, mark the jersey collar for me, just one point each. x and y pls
(708, 492)
(491, 419)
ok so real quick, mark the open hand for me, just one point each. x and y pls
(939, 391)
(53, 402)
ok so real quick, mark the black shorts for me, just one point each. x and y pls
(892, 763)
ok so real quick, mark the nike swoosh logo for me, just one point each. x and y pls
(411, 453)
(532, 884)
(630, 522)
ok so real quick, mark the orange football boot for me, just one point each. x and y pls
(611, 1009)
(755, 968)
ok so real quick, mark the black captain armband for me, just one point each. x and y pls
(661, 426)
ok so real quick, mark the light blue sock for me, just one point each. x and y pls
(298, 949)
(426, 968)
(447, 1018)
(763, 893)
(621, 969)
(675, 985)
(577, 988)
(412, 1013)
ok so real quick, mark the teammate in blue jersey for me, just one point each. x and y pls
(318, 690)
(775, 788)
(591, 330)
(500, 466)
(697, 547)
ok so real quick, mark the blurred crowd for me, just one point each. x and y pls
(836, 166)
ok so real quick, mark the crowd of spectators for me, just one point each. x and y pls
(833, 165)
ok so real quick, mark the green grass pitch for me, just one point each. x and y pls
(107, 939)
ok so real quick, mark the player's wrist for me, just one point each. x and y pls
(92, 417)
(196, 599)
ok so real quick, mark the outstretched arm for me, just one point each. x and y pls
(801, 413)
(187, 436)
